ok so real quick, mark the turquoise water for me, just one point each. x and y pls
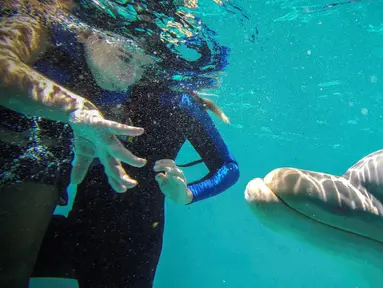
(307, 93)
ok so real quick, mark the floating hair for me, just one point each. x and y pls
(210, 105)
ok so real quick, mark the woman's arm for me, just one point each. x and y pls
(206, 140)
(23, 38)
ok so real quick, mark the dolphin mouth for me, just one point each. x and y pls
(259, 194)
(247, 196)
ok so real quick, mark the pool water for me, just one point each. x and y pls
(307, 92)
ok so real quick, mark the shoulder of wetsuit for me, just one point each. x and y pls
(66, 40)
(64, 60)
(183, 102)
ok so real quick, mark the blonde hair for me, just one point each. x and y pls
(41, 8)
(210, 105)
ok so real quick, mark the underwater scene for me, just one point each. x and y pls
(191, 143)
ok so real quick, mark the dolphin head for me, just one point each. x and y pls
(322, 210)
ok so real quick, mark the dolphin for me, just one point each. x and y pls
(341, 215)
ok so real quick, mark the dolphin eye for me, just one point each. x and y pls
(127, 58)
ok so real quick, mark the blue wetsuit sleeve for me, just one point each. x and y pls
(206, 140)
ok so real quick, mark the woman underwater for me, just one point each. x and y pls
(109, 240)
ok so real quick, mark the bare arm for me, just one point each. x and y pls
(23, 38)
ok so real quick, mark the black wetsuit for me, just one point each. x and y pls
(114, 240)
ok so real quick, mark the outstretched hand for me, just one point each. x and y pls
(172, 182)
(96, 137)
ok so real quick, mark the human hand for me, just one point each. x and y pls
(173, 182)
(96, 137)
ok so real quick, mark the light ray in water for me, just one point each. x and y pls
(207, 94)
(307, 12)
(330, 83)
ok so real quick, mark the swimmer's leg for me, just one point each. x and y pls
(118, 237)
(56, 251)
(55, 255)
(25, 211)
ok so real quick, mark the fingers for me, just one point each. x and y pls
(116, 128)
(175, 172)
(181, 180)
(167, 162)
(80, 166)
(115, 171)
(101, 142)
(84, 155)
(118, 187)
(161, 178)
(117, 150)
(169, 167)
(171, 174)
(126, 130)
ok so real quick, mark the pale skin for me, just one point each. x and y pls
(29, 92)
(172, 182)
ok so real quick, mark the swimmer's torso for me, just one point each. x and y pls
(168, 118)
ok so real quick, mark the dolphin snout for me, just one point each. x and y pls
(257, 191)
